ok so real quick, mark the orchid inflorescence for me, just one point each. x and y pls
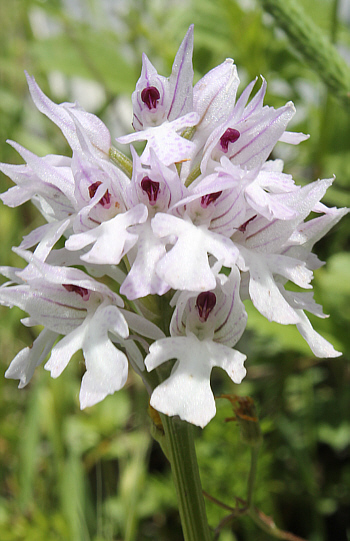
(202, 218)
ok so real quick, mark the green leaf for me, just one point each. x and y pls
(88, 54)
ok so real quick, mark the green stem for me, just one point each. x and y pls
(314, 46)
(252, 474)
(327, 106)
(121, 161)
(182, 456)
(334, 21)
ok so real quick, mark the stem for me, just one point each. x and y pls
(252, 474)
(324, 132)
(314, 46)
(121, 161)
(184, 466)
(267, 524)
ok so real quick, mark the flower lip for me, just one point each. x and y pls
(150, 96)
(205, 304)
(82, 291)
(230, 136)
(151, 187)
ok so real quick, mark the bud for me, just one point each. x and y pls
(247, 418)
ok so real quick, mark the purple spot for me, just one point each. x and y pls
(151, 188)
(230, 136)
(205, 303)
(150, 96)
(105, 201)
(82, 291)
(209, 198)
(243, 227)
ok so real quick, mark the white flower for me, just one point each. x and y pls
(212, 323)
(68, 302)
(204, 213)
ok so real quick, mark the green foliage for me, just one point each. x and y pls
(96, 475)
(91, 54)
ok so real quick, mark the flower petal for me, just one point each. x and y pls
(187, 391)
(106, 366)
(23, 365)
(111, 240)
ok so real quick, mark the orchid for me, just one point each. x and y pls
(205, 220)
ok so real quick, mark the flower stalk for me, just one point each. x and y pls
(184, 466)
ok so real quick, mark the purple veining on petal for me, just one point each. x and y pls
(221, 216)
(73, 321)
(254, 104)
(229, 312)
(231, 332)
(224, 225)
(204, 304)
(138, 120)
(139, 103)
(230, 136)
(175, 89)
(266, 226)
(209, 198)
(183, 49)
(151, 188)
(220, 305)
(150, 96)
(268, 241)
(180, 323)
(257, 153)
(256, 137)
(162, 98)
(82, 291)
(64, 305)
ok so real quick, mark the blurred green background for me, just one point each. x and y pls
(97, 475)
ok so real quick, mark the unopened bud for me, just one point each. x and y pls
(246, 417)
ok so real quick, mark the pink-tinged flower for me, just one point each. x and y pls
(89, 316)
(75, 189)
(157, 99)
(66, 116)
(111, 240)
(68, 302)
(206, 326)
(164, 140)
(205, 213)
(250, 132)
(157, 186)
(163, 107)
(151, 190)
(273, 252)
(48, 181)
(214, 97)
(186, 265)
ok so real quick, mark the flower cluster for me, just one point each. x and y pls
(202, 214)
